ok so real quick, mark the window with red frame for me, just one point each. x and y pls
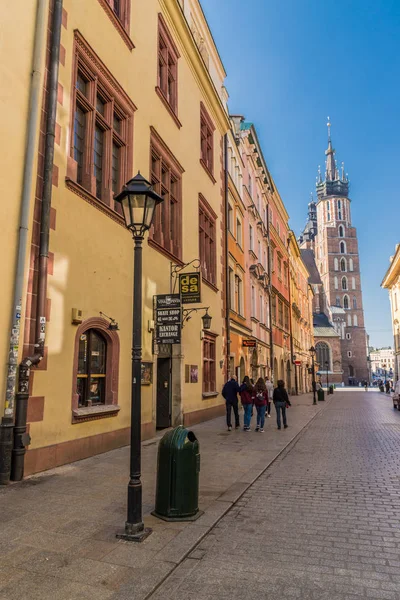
(102, 129)
(209, 366)
(166, 177)
(206, 140)
(168, 56)
(119, 12)
(207, 242)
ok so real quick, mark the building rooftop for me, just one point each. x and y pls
(309, 260)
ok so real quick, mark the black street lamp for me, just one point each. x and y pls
(327, 376)
(313, 351)
(138, 201)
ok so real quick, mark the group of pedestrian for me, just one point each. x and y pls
(260, 395)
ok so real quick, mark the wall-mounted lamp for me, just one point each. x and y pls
(206, 318)
(113, 325)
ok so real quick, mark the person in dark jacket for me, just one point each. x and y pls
(281, 401)
(247, 398)
(261, 402)
(230, 393)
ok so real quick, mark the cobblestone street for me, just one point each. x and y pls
(323, 522)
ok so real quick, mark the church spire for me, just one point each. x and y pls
(330, 174)
(335, 183)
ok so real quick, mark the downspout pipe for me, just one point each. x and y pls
(7, 423)
(20, 436)
(271, 337)
(227, 283)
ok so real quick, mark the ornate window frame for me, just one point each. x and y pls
(110, 408)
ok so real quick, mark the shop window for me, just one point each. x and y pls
(95, 371)
(209, 364)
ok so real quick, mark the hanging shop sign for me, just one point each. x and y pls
(168, 318)
(249, 343)
(190, 287)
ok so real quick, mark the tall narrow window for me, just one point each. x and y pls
(261, 310)
(351, 268)
(353, 283)
(279, 267)
(168, 56)
(342, 248)
(230, 219)
(323, 355)
(355, 321)
(341, 231)
(259, 250)
(338, 301)
(346, 301)
(251, 238)
(336, 283)
(206, 140)
(348, 320)
(239, 238)
(328, 206)
(339, 205)
(343, 266)
(273, 309)
(209, 364)
(344, 283)
(239, 296)
(91, 376)
(336, 264)
(207, 241)
(166, 178)
(354, 302)
(100, 151)
(232, 289)
(253, 301)
(280, 313)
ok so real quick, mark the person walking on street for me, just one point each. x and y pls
(247, 398)
(366, 386)
(387, 386)
(230, 393)
(261, 402)
(281, 401)
(270, 389)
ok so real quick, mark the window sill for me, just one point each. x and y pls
(254, 319)
(90, 413)
(119, 26)
(206, 395)
(164, 251)
(168, 106)
(253, 254)
(209, 284)
(207, 170)
(86, 195)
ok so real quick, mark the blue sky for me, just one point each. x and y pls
(290, 63)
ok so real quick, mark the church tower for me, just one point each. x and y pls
(338, 262)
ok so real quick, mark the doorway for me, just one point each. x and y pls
(163, 405)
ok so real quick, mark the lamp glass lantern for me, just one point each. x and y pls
(206, 321)
(138, 201)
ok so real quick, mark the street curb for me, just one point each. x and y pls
(226, 505)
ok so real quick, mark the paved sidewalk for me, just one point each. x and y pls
(323, 523)
(58, 528)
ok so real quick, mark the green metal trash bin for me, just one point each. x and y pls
(178, 468)
(331, 389)
(321, 394)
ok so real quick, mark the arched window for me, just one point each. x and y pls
(337, 301)
(342, 248)
(354, 302)
(351, 264)
(336, 283)
(349, 320)
(336, 264)
(91, 376)
(346, 301)
(95, 370)
(341, 230)
(355, 321)
(339, 205)
(344, 283)
(323, 356)
(353, 283)
(343, 265)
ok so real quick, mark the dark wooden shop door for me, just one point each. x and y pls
(163, 414)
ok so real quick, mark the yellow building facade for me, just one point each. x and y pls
(141, 90)
(391, 282)
(301, 330)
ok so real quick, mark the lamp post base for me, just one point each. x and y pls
(134, 532)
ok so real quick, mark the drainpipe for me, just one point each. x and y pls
(20, 436)
(296, 384)
(227, 283)
(7, 423)
(271, 337)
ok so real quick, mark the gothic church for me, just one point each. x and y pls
(330, 249)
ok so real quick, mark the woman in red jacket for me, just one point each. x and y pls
(246, 391)
(261, 402)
